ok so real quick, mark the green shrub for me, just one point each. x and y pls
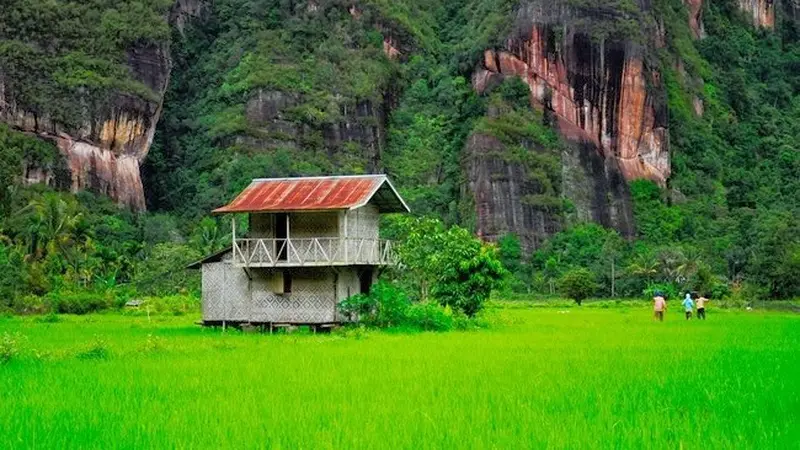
(385, 306)
(30, 304)
(669, 290)
(578, 284)
(389, 306)
(50, 317)
(79, 303)
(98, 349)
(359, 307)
(430, 316)
(9, 347)
(176, 305)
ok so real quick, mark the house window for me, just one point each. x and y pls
(287, 282)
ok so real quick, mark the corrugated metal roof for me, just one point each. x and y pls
(316, 193)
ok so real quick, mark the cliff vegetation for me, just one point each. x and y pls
(654, 144)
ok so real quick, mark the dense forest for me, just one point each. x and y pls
(219, 92)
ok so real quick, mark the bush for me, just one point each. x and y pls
(50, 317)
(30, 304)
(578, 284)
(176, 305)
(98, 349)
(430, 316)
(385, 306)
(450, 265)
(79, 303)
(669, 290)
(9, 347)
(359, 307)
(389, 306)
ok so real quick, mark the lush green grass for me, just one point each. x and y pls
(575, 378)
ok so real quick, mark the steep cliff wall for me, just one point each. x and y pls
(695, 8)
(107, 141)
(92, 81)
(593, 76)
(761, 11)
(601, 93)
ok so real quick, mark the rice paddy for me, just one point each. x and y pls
(535, 378)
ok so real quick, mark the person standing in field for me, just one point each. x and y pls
(659, 306)
(701, 307)
(688, 305)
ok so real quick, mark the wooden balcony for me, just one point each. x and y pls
(312, 252)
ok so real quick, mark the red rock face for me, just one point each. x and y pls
(598, 93)
(762, 12)
(390, 48)
(696, 17)
(104, 152)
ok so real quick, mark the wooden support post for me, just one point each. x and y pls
(344, 241)
(233, 236)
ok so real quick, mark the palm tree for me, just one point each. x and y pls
(644, 266)
(51, 225)
(690, 265)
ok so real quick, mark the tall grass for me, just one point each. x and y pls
(577, 378)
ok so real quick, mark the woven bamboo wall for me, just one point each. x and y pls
(312, 299)
(262, 225)
(226, 293)
(362, 223)
(314, 225)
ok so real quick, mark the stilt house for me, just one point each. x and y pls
(311, 242)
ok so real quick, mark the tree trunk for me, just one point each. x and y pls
(613, 279)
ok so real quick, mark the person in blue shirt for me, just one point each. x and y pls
(688, 305)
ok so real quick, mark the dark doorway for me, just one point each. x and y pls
(287, 282)
(365, 280)
(281, 234)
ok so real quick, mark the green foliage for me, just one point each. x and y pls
(389, 306)
(59, 56)
(17, 153)
(262, 88)
(79, 303)
(431, 316)
(163, 271)
(9, 347)
(97, 349)
(450, 266)
(384, 306)
(578, 284)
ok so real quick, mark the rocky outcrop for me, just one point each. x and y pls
(504, 193)
(499, 187)
(593, 75)
(271, 125)
(695, 8)
(600, 93)
(104, 147)
(108, 136)
(761, 11)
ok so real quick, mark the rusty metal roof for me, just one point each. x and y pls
(315, 194)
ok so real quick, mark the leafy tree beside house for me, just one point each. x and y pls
(449, 265)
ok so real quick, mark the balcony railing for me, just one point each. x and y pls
(294, 252)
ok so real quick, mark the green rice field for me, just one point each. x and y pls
(535, 378)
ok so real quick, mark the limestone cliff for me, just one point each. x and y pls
(103, 131)
(761, 11)
(605, 95)
(271, 125)
(108, 141)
